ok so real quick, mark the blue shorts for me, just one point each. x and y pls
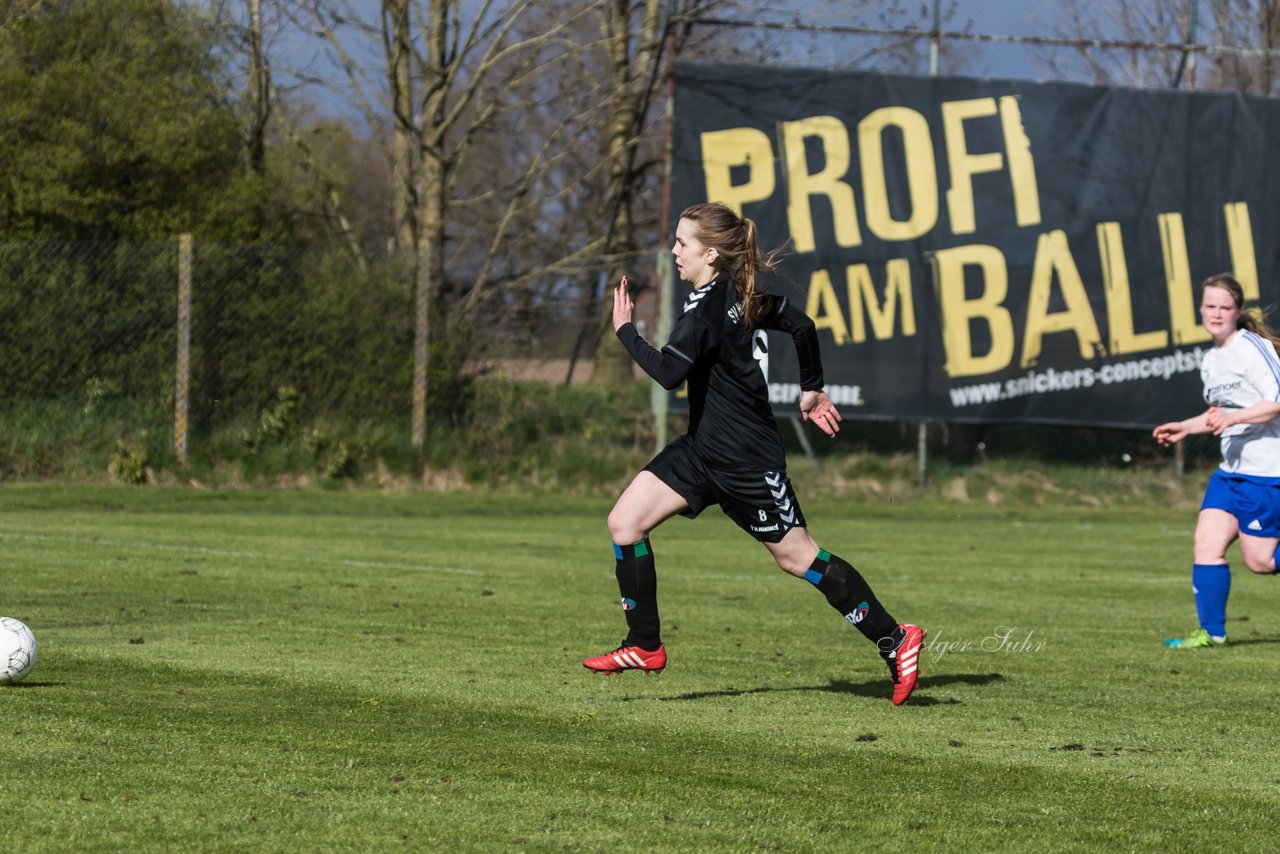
(1255, 505)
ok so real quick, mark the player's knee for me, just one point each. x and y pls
(1261, 564)
(789, 564)
(1209, 553)
(623, 529)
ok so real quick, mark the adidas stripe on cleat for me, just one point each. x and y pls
(904, 662)
(628, 658)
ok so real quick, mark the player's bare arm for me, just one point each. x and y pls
(1259, 413)
(1172, 432)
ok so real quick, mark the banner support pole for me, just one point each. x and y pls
(922, 429)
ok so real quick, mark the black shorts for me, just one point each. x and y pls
(762, 503)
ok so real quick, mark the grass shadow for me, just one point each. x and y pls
(875, 688)
(1246, 641)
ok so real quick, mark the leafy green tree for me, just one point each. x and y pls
(117, 124)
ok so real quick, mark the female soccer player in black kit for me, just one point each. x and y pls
(732, 454)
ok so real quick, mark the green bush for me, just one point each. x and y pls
(78, 438)
(276, 422)
(533, 433)
(129, 462)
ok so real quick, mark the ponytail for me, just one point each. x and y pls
(750, 291)
(1254, 319)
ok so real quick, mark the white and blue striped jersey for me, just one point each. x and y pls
(1235, 376)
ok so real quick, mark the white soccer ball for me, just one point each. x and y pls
(17, 650)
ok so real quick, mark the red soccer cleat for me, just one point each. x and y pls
(628, 658)
(904, 662)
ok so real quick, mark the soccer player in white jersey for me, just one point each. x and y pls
(1241, 377)
(732, 455)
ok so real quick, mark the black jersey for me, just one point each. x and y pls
(730, 420)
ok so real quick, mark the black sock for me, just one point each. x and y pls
(851, 595)
(638, 584)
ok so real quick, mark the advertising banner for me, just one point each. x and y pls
(983, 250)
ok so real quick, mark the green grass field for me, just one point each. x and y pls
(325, 671)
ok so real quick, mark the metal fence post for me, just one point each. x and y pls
(922, 453)
(659, 399)
(935, 38)
(421, 330)
(182, 370)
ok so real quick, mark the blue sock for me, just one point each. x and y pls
(1211, 583)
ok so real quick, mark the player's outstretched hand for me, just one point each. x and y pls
(1169, 433)
(622, 306)
(815, 406)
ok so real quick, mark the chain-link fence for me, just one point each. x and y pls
(89, 322)
(177, 355)
(91, 350)
(91, 354)
(89, 333)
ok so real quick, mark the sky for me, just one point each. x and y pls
(300, 60)
(1041, 18)
(298, 56)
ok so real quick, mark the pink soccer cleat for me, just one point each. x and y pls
(904, 662)
(628, 658)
